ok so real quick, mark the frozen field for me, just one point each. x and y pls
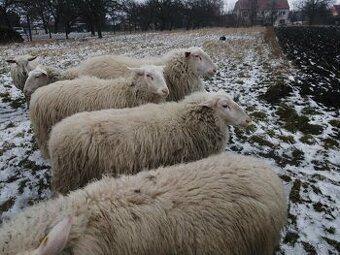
(291, 131)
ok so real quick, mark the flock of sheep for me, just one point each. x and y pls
(104, 125)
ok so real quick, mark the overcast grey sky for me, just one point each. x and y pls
(229, 4)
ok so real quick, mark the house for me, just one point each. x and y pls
(335, 13)
(261, 12)
(335, 10)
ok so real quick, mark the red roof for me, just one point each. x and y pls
(336, 10)
(262, 4)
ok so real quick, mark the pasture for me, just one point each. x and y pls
(291, 129)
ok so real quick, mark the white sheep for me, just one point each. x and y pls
(20, 67)
(129, 140)
(42, 76)
(183, 69)
(224, 204)
(52, 103)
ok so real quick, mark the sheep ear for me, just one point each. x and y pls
(187, 54)
(12, 61)
(210, 103)
(56, 240)
(139, 71)
(32, 58)
(43, 71)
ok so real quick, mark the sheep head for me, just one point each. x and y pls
(22, 63)
(37, 78)
(153, 77)
(200, 62)
(227, 109)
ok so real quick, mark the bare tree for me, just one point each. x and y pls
(5, 8)
(315, 10)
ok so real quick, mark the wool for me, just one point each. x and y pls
(224, 204)
(126, 141)
(52, 103)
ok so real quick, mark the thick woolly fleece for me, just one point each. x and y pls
(129, 140)
(224, 204)
(52, 103)
(178, 72)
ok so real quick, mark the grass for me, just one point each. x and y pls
(291, 238)
(260, 141)
(334, 243)
(294, 195)
(278, 90)
(269, 37)
(295, 122)
(287, 139)
(310, 249)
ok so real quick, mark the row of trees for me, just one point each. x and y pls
(316, 11)
(60, 15)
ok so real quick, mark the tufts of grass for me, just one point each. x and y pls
(261, 141)
(291, 238)
(269, 37)
(28, 164)
(294, 194)
(295, 122)
(334, 243)
(292, 218)
(308, 139)
(335, 123)
(276, 91)
(286, 178)
(287, 139)
(18, 102)
(309, 110)
(329, 143)
(10, 125)
(331, 230)
(259, 115)
(310, 249)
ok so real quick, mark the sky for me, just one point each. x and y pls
(229, 4)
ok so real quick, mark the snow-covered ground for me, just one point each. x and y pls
(295, 134)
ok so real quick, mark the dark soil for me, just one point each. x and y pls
(316, 52)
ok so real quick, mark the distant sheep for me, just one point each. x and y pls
(52, 103)
(41, 76)
(20, 68)
(183, 69)
(129, 140)
(224, 204)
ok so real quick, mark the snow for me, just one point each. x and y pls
(247, 68)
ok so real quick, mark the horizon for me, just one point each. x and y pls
(229, 4)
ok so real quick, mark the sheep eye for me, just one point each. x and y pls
(225, 106)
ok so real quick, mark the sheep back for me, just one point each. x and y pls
(129, 140)
(50, 104)
(224, 204)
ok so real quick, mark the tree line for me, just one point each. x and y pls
(99, 15)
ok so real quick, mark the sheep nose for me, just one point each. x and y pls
(248, 121)
(165, 91)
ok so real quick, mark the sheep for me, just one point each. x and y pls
(52, 103)
(183, 69)
(41, 76)
(20, 68)
(126, 141)
(224, 204)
